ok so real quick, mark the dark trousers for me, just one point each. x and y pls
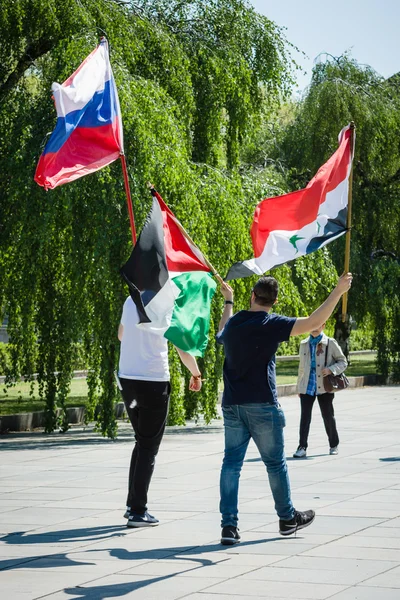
(325, 402)
(146, 403)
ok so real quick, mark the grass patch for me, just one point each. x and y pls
(18, 399)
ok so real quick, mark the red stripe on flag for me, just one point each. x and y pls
(293, 211)
(178, 250)
(87, 150)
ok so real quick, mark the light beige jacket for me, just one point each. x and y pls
(336, 362)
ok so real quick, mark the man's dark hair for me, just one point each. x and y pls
(266, 291)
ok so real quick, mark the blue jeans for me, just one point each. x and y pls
(264, 423)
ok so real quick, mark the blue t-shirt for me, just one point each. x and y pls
(250, 340)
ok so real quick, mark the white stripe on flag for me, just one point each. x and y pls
(88, 80)
(279, 250)
(160, 309)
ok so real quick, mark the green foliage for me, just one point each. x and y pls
(231, 50)
(343, 91)
(200, 84)
(385, 293)
(5, 362)
(362, 336)
(188, 75)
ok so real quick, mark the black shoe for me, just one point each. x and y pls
(230, 535)
(299, 521)
(127, 513)
(145, 520)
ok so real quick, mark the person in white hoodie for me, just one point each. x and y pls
(319, 356)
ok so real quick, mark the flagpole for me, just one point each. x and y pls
(348, 224)
(128, 197)
(187, 236)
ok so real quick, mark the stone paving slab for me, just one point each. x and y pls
(62, 535)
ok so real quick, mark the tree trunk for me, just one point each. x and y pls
(342, 333)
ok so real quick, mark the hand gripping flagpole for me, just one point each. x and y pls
(128, 198)
(348, 224)
(187, 236)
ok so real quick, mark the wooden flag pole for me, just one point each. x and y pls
(348, 224)
(128, 198)
(187, 236)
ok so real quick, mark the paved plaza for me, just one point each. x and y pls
(63, 536)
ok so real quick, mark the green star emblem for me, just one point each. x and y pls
(293, 240)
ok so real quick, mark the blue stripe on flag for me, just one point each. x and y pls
(100, 110)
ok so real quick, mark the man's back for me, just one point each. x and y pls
(250, 340)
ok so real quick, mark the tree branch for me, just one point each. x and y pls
(32, 53)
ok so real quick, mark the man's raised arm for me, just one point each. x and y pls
(323, 312)
(227, 293)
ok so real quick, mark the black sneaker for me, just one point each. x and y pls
(127, 513)
(146, 520)
(299, 521)
(230, 535)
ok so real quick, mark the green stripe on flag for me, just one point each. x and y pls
(191, 317)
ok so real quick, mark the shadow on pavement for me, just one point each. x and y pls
(46, 562)
(309, 457)
(90, 534)
(114, 590)
(390, 459)
(195, 429)
(180, 554)
(72, 438)
(291, 458)
(101, 592)
(36, 440)
(183, 552)
(85, 534)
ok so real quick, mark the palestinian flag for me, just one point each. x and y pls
(289, 226)
(170, 281)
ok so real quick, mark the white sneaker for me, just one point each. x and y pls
(334, 450)
(300, 452)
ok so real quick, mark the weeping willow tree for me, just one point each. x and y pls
(192, 78)
(341, 91)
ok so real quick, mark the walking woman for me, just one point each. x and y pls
(319, 356)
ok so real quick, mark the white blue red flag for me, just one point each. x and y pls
(88, 133)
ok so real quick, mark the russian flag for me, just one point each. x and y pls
(88, 133)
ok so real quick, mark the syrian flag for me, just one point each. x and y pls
(289, 226)
(170, 281)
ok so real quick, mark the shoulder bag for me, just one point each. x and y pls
(334, 383)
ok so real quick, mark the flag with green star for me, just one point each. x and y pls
(289, 226)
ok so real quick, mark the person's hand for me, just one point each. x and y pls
(195, 383)
(227, 291)
(326, 372)
(344, 283)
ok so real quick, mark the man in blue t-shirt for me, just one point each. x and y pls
(250, 402)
